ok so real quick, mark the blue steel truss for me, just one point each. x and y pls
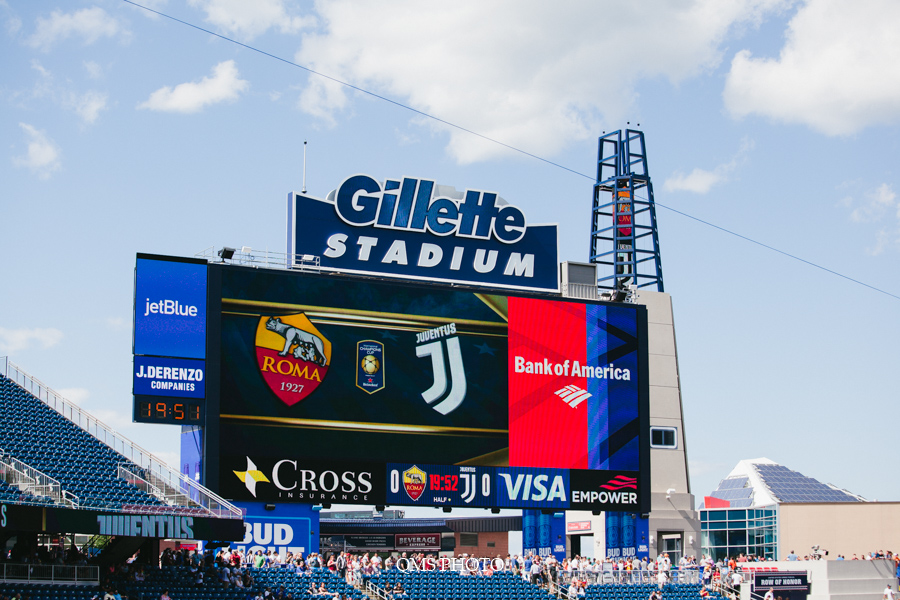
(624, 236)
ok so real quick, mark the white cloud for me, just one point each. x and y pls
(42, 156)
(700, 181)
(94, 70)
(532, 74)
(13, 25)
(117, 323)
(88, 105)
(90, 24)
(14, 340)
(223, 85)
(838, 72)
(250, 19)
(879, 205)
(74, 395)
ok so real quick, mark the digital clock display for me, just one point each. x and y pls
(167, 410)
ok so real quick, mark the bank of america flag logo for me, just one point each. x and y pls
(620, 482)
(572, 395)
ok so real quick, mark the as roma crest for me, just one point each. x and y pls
(414, 482)
(292, 355)
(370, 366)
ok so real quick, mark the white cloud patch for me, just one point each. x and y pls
(89, 24)
(223, 85)
(74, 395)
(13, 25)
(88, 105)
(250, 19)
(880, 206)
(42, 155)
(875, 205)
(94, 70)
(15, 340)
(838, 72)
(117, 323)
(700, 181)
(542, 79)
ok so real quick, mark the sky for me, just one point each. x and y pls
(125, 131)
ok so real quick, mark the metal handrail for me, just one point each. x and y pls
(205, 498)
(31, 481)
(263, 258)
(74, 574)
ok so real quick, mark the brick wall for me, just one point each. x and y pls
(499, 539)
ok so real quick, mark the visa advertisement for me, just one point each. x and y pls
(414, 229)
(485, 400)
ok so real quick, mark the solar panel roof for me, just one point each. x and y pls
(791, 486)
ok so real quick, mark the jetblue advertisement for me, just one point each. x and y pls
(170, 307)
(406, 228)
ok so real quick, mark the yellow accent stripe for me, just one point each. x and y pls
(365, 317)
(360, 426)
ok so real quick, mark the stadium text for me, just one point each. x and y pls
(431, 255)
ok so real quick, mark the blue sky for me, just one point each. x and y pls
(126, 132)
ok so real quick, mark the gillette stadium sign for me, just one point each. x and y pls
(412, 229)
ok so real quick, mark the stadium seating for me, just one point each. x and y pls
(451, 585)
(10, 493)
(641, 591)
(179, 582)
(49, 591)
(42, 438)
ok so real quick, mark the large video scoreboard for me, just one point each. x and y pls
(320, 388)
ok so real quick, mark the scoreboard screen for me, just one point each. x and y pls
(432, 395)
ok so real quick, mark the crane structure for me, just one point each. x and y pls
(624, 234)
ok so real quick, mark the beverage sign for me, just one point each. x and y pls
(405, 228)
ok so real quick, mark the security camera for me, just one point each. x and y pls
(669, 493)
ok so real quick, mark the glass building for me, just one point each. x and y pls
(741, 515)
(735, 531)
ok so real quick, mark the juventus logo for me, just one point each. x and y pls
(449, 400)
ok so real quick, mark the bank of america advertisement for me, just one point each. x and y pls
(343, 390)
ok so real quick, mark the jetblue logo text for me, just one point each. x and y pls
(169, 307)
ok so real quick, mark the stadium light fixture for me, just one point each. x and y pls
(226, 253)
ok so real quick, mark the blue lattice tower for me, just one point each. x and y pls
(624, 237)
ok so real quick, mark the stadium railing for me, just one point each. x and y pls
(32, 482)
(263, 258)
(210, 502)
(87, 574)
